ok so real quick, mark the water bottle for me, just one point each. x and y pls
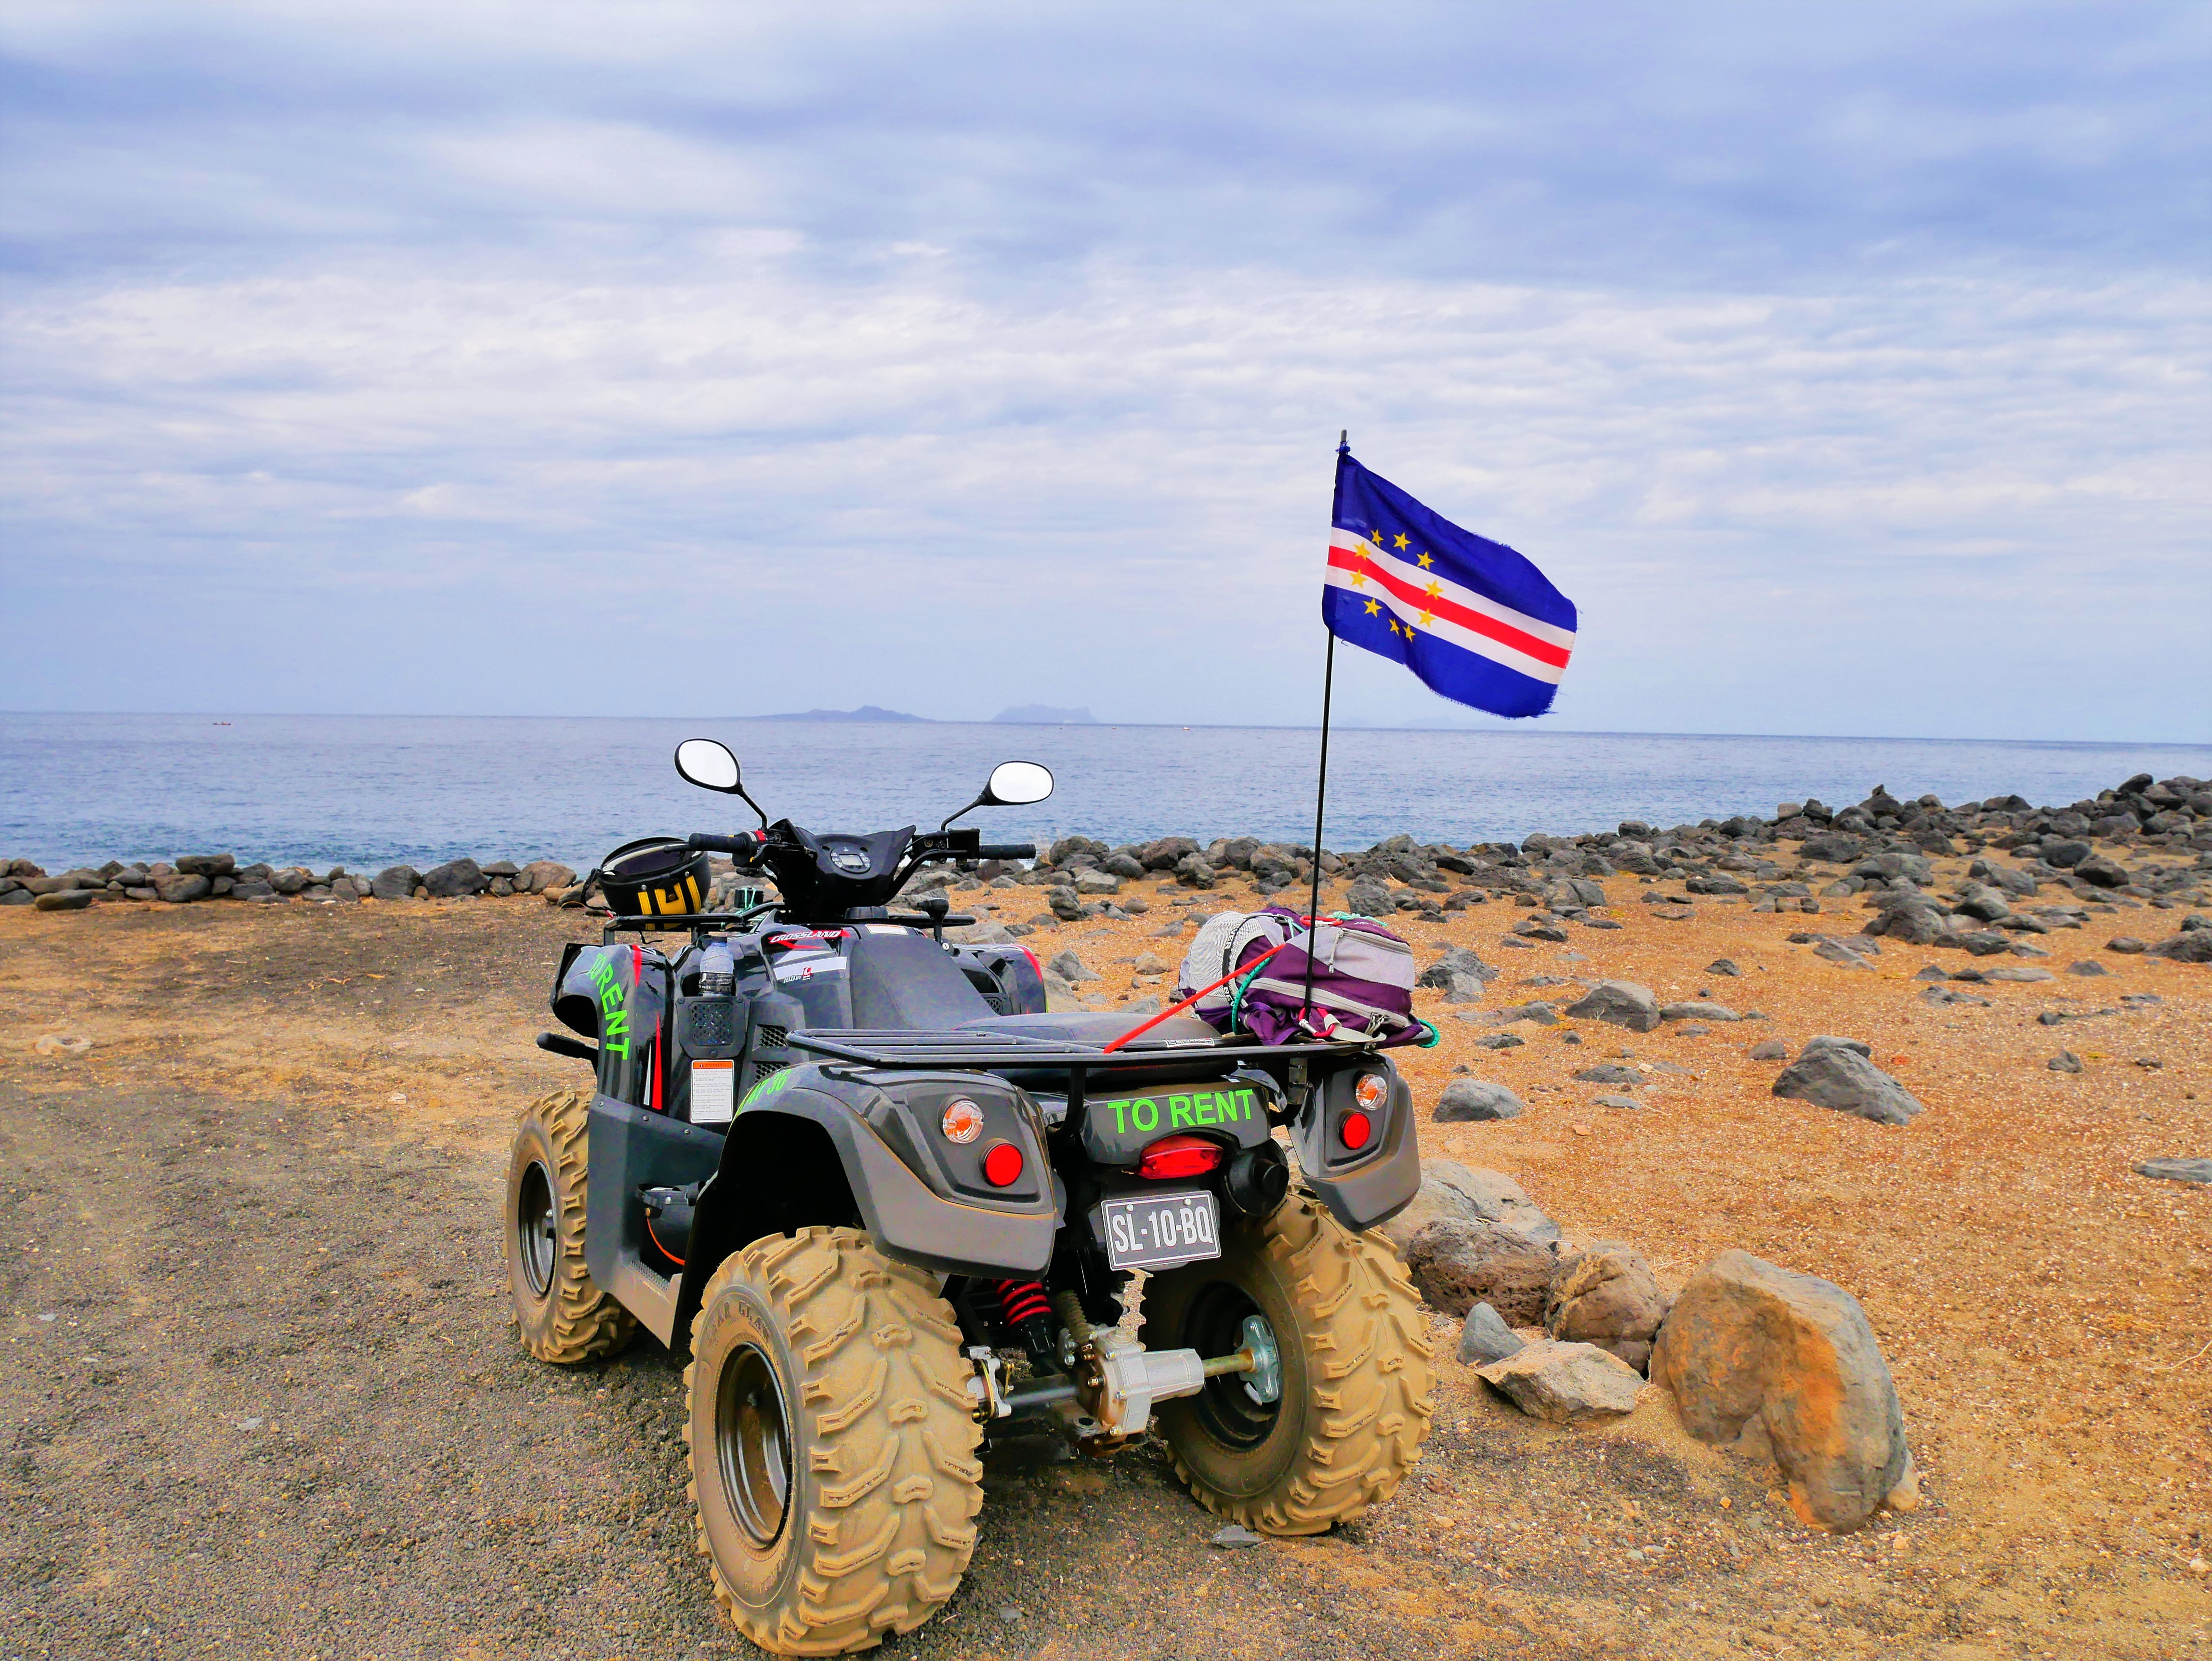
(718, 972)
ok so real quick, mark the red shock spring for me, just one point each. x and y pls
(1023, 1300)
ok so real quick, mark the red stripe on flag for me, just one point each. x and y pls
(1504, 633)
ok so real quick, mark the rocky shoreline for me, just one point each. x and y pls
(2144, 839)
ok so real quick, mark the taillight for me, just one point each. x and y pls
(962, 1121)
(1002, 1165)
(1179, 1156)
(1370, 1090)
(1354, 1130)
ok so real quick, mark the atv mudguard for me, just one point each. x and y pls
(1368, 1186)
(813, 1145)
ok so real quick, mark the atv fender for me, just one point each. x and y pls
(815, 1147)
(1372, 1185)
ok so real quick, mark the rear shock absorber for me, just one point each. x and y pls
(1029, 1312)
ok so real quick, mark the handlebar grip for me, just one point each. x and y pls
(1006, 850)
(738, 846)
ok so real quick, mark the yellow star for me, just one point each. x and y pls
(1402, 543)
(1427, 617)
(1435, 588)
(1375, 537)
(1425, 562)
(1374, 608)
(1394, 624)
(1359, 579)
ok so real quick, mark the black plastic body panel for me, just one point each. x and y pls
(629, 1149)
(1371, 1184)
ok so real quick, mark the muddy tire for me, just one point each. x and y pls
(563, 1316)
(1356, 1389)
(832, 1441)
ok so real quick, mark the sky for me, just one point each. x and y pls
(1846, 366)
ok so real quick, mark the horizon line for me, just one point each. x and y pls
(1513, 730)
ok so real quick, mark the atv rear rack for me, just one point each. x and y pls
(993, 1052)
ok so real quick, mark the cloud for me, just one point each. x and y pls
(1849, 379)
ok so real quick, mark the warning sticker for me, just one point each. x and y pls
(714, 1092)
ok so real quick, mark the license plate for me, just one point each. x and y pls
(1159, 1230)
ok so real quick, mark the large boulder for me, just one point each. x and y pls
(181, 886)
(1467, 1099)
(1457, 1264)
(456, 880)
(396, 882)
(540, 875)
(1831, 1075)
(1786, 1367)
(207, 865)
(1494, 1196)
(1564, 1383)
(2102, 872)
(1619, 1003)
(1606, 1295)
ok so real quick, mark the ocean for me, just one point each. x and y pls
(368, 791)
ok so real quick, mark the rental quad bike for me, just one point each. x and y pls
(893, 1206)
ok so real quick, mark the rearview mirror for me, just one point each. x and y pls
(1015, 784)
(710, 765)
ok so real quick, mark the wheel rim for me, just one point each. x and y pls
(1226, 1408)
(752, 1444)
(535, 1231)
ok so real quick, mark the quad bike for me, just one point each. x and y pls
(893, 1206)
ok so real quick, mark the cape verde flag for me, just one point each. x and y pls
(1474, 620)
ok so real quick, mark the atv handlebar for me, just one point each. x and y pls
(740, 847)
(1006, 850)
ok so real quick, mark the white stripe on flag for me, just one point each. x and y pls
(1408, 569)
(1451, 633)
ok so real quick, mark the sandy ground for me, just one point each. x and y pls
(277, 1408)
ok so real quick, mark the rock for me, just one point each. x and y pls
(1457, 1264)
(1772, 1050)
(1696, 1011)
(1370, 900)
(1465, 1100)
(2191, 945)
(24, 896)
(73, 899)
(61, 1043)
(181, 890)
(1125, 866)
(1234, 1537)
(1829, 1041)
(2011, 972)
(1832, 848)
(2127, 945)
(1496, 1040)
(1071, 968)
(1723, 966)
(397, 882)
(1616, 1104)
(1619, 1003)
(1494, 1197)
(2102, 872)
(210, 866)
(540, 875)
(1148, 963)
(1486, 1338)
(1065, 904)
(1715, 884)
(455, 879)
(2086, 968)
(1835, 951)
(1535, 928)
(1098, 882)
(2064, 1061)
(1166, 854)
(1830, 1075)
(1608, 1073)
(1564, 1383)
(2177, 1170)
(1606, 1295)
(1192, 871)
(1786, 1365)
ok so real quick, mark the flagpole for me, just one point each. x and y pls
(1321, 783)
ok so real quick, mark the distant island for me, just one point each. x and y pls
(865, 712)
(1043, 715)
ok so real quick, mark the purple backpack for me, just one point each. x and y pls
(1363, 978)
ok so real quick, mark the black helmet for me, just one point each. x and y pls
(654, 876)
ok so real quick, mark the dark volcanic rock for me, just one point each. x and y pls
(1619, 1003)
(1829, 1075)
(1465, 1100)
(455, 879)
(396, 882)
(1456, 1265)
(2191, 945)
(2177, 1170)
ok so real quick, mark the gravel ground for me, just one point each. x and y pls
(279, 1409)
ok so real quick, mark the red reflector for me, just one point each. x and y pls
(1002, 1165)
(1355, 1129)
(1180, 1156)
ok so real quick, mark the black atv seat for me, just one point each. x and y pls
(905, 983)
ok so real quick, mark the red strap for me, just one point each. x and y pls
(1241, 969)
